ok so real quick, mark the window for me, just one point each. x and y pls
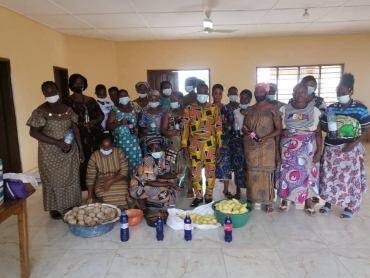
(327, 76)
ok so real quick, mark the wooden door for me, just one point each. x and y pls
(155, 77)
(9, 146)
(61, 78)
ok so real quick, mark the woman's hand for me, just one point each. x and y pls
(106, 186)
(62, 145)
(136, 129)
(174, 187)
(316, 158)
(88, 201)
(91, 123)
(82, 157)
(123, 121)
(349, 147)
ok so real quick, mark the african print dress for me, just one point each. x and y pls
(59, 171)
(297, 178)
(260, 157)
(342, 174)
(148, 171)
(127, 142)
(90, 135)
(101, 168)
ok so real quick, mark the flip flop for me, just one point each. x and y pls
(228, 194)
(55, 215)
(190, 196)
(315, 200)
(269, 209)
(237, 196)
(346, 215)
(283, 209)
(310, 211)
(324, 210)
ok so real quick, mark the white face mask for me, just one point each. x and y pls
(154, 104)
(310, 90)
(175, 105)
(124, 100)
(189, 89)
(202, 98)
(143, 95)
(102, 99)
(167, 92)
(343, 99)
(108, 152)
(244, 106)
(52, 99)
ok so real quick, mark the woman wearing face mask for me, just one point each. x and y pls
(171, 128)
(142, 89)
(105, 104)
(58, 162)
(297, 178)
(90, 118)
(238, 164)
(265, 120)
(106, 174)
(152, 184)
(165, 91)
(190, 84)
(272, 94)
(342, 176)
(118, 122)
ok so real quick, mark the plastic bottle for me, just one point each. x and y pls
(68, 139)
(228, 226)
(332, 124)
(181, 180)
(131, 127)
(86, 115)
(177, 123)
(252, 134)
(152, 126)
(236, 129)
(187, 228)
(124, 227)
(159, 227)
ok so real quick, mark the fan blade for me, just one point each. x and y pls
(192, 33)
(224, 31)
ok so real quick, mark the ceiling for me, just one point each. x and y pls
(130, 20)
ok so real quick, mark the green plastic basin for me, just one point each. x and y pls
(239, 220)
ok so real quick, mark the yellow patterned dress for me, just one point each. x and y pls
(202, 135)
(102, 168)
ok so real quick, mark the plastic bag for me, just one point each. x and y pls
(24, 178)
(176, 223)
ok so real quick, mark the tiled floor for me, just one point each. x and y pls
(276, 245)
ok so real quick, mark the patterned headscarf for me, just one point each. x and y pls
(153, 138)
(154, 93)
(265, 86)
(146, 84)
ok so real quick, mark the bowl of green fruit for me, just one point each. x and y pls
(239, 211)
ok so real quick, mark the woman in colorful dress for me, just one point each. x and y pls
(118, 122)
(265, 120)
(171, 128)
(90, 118)
(297, 177)
(58, 162)
(152, 184)
(107, 174)
(342, 175)
(238, 163)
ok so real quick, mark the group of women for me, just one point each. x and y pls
(138, 149)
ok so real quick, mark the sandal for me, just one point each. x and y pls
(55, 215)
(190, 196)
(237, 196)
(228, 194)
(315, 200)
(196, 202)
(269, 209)
(346, 215)
(324, 210)
(208, 200)
(283, 209)
(310, 211)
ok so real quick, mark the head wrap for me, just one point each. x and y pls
(265, 86)
(273, 85)
(146, 84)
(154, 93)
(153, 138)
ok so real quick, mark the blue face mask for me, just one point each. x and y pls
(202, 98)
(108, 152)
(189, 89)
(154, 104)
(157, 155)
(310, 90)
(270, 97)
(244, 106)
(174, 105)
(124, 100)
(233, 98)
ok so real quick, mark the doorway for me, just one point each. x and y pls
(61, 78)
(9, 151)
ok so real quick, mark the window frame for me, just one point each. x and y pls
(299, 77)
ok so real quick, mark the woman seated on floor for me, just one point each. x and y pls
(106, 174)
(152, 185)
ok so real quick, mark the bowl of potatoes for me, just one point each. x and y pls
(239, 211)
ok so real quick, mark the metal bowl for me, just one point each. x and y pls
(94, 231)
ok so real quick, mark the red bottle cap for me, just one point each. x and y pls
(159, 213)
(227, 214)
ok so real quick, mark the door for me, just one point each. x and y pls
(9, 150)
(61, 78)
(155, 77)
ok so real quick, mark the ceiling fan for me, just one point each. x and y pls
(208, 27)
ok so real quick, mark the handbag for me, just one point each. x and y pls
(16, 189)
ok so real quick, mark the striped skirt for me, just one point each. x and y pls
(117, 195)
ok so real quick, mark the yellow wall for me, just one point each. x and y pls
(34, 49)
(233, 62)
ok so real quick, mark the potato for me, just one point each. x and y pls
(75, 209)
(72, 221)
(92, 223)
(88, 220)
(80, 217)
(100, 215)
(96, 210)
(81, 211)
(99, 222)
(81, 223)
(74, 214)
(92, 214)
(235, 212)
(95, 219)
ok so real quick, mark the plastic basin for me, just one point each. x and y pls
(239, 220)
(134, 216)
